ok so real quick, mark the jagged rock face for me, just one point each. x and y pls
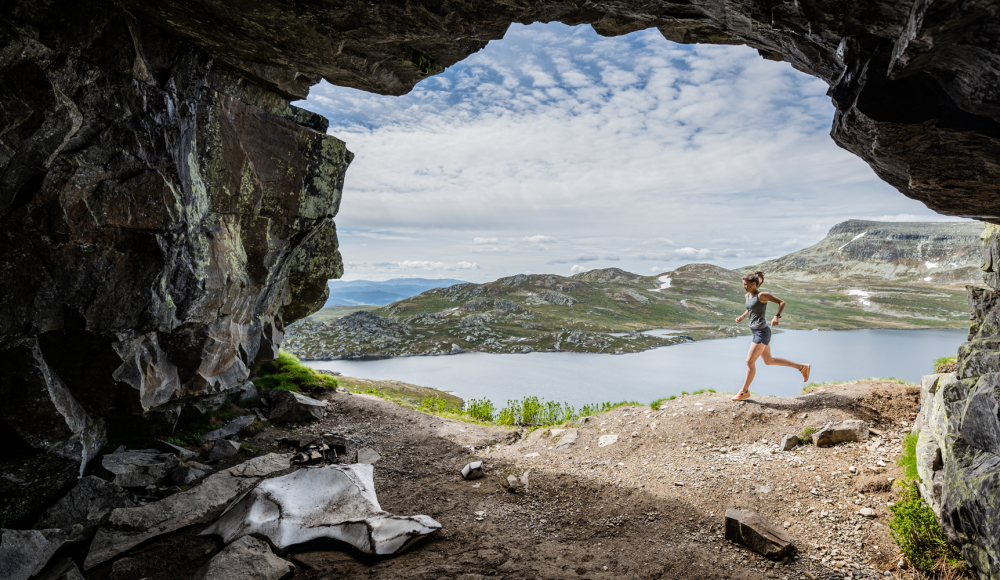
(958, 451)
(162, 218)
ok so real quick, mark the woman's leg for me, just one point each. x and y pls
(755, 351)
(782, 362)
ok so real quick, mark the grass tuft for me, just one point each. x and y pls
(287, 373)
(946, 364)
(908, 459)
(920, 537)
(807, 433)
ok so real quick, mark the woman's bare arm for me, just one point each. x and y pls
(739, 319)
(768, 297)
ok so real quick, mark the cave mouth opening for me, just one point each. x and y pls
(507, 161)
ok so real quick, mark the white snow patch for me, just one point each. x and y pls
(859, 236)
(863, 297)
(930, 265)
(665, 282)
(927, 279)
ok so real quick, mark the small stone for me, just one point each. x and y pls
(229, 429)
(867, 512)
(568, 439)
(533, 454)
(186, 475)
(786, 525)
(843, 432)
(224, 448)
(292, 407)
(368, 456)
(511, 482)
(789, 442)
(605, 440)
(852, 469)
(635, 433)
(750, 529)
(473, 470)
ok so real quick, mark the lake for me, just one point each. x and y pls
(578, 378)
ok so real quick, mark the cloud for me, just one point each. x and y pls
(539, 239)
(577, 269)
(585, 259)
(424, 265)
(693, 253)
(659, 242)
(481, 241)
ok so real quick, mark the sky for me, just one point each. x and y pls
(555, 150)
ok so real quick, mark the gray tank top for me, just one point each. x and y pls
(756, 309)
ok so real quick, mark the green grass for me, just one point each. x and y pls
(287, 373)
(807, 433)
(945, 364)
(920, 537)
(908, 459)
(189, 434)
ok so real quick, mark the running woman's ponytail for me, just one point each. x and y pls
(756, 278)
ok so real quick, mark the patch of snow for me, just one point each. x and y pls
(863, 297)
(953, 264)
(665, 282)
(857, 237)
(930, 265)
(927, 279)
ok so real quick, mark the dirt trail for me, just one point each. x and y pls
(648, 506)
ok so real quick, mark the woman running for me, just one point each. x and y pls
(761, 346)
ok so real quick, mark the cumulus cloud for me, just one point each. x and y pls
(693, 253)
(585, 259)
(481, 241)
(539, 239)
(659, 242)
(577, 269)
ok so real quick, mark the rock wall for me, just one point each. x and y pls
(163, 216)
(165, 211)
(958, 451)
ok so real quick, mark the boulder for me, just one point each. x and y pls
(139, 467)
(64, 569)
(789, 442)
(229, 429)
(245, 559)
(129, 527)
(187, 475)
(88, 505)
(368, 455)
(292, 407)
(473, 470)
(843, 432)
(568, 439)
(224, 448)
(24, 553)
(748, 528)
(336, 502)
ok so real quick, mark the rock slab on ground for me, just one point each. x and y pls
(129, 527)
(606, 440)
(291, 407)
(140, 467)
(748, 528)
(848, 431)
(224, 448)
(229, 429)
(368, 455)
(245, 559)
(87, 505)
(568, 439)
(789, 442)
(336, 502)
(24, 553)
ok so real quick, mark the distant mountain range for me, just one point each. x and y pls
(938, 252)
(379, 293)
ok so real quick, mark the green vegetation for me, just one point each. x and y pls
(807, 433)
(331, 313)
(920, 537)
(189, 433)
(946, 364)
(287, 373)
(908, 459)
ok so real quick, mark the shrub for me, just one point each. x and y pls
(480, 409)
(807, 433)
(433, 405)
(287, 373)
(919, 535)
(908, 459)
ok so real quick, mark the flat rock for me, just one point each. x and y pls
(87, 505)
(747, 527)
(867, 512)
(568, 439)
(247, 558)
(64, 569)
(140, 467)
(24, 553)
(368, 455)
(186, 475)
(183, 453)
(842, 432)
(292, 407)
(229, 429)
(473, 470)
(789, 442)
(224, 448)
(605, 440)
(335, 501)
(129, 527)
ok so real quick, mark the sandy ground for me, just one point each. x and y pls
(650, 505)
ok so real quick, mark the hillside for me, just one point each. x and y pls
(605, 310)
(940, 253)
